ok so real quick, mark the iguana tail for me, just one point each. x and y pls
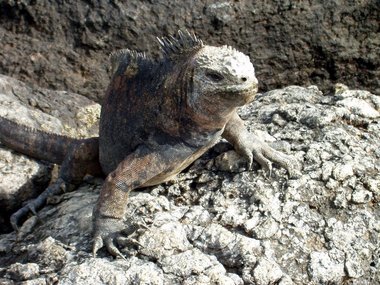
(33, 142)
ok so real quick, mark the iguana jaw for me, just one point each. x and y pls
(240, 95)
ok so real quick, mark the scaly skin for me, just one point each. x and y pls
(158, 116)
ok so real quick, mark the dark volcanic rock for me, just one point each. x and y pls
(65, 44)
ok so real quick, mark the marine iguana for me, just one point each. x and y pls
(158, 116)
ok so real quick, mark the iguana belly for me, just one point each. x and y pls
(172, 171)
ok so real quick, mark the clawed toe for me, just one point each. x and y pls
(109, 243)
(265, 155)
(16, 218)
(112, 248)
(113, 234)
(107, 232)
(98, 244)
(37, 203)
(124, 241)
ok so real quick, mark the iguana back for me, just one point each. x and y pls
(144, 104)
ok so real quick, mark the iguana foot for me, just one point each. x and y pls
(265, 155)
(107, 231)
(59, 187)
(252, 148)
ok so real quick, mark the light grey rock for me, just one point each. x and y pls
(190, 262)
(267, 229)
(359, 107)
(230, 161)
(52, 111)
(342, 171)
(358, 102)
(353, 265)
(231, 249)
(214, 226)
(361, 195)
(267, 272)
(103, 271)
(23, 178)
(342, 197)
(164, 240)
(324, 269)
(21, 272)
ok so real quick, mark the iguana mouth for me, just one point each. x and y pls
(241, 94)
(250, 96)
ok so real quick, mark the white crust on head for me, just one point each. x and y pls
(226, 60)
(223, 79)
(223, 70)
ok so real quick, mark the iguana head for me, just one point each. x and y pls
(225, 74)
(219, 78)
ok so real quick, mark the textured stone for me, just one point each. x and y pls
(220, 227)
(52, 111)
(267, 272)
(359, 107)
(23, 178)
(20, 272)
(66, 47)
(361, 196)
(102, 271)
(323, 269)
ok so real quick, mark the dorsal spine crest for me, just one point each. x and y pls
(185, 42)
(119, 56)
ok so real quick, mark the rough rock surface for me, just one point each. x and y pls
(52, 111)
(217, 227)
(65, 47)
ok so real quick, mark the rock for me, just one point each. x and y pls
(361, 196)
(221, 227)
(194, 262)
(21, 272)
(103, 271)
(165, 240)
(230, 161)
(342, 197)
(353, 265)
(267, 229)
(267, 272)
(66, 47)
(52, 111)
(359, 107)
(342, 171)
(23, 178)
(324, 269)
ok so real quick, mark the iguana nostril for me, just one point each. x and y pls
(244, 79)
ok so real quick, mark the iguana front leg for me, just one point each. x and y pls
(251, 147)
(144, 167)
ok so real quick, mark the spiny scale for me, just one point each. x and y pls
(118, 56)
(28, 129)
(184, 42)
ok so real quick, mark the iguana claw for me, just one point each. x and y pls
(107, 230)
(265, 155)
(37, 203)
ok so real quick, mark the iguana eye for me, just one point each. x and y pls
(214, 76)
